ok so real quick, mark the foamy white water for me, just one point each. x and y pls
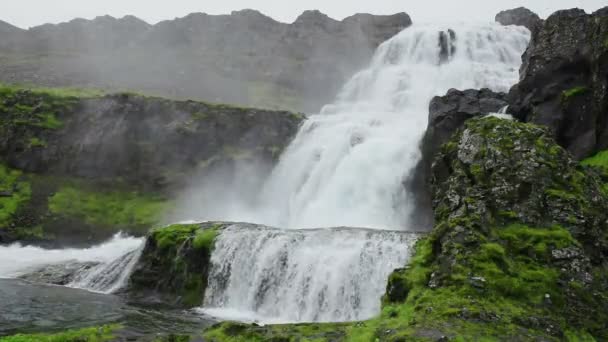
(277, 276)
(116, 257)
(346, 165)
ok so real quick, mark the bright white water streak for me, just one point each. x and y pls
(323, 275)
(116, 258)
(346, 166)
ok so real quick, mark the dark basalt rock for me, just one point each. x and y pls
(564, 79)
(446, 115)
(520, 16)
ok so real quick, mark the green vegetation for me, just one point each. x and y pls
(54, 92)
(173, 236)
(576, 91)
(205, 238)
(37, 142)
(94, 334)
(14, 193)
(111, 209)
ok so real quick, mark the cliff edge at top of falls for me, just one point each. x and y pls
(243, 58)
(77, 167)
(519, 250)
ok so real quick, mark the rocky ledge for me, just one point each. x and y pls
(78, 166)
(520, 16)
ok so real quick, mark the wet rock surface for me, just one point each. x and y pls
(564, 79)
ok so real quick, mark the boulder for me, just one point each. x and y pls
(520, 16)
(173, 267)
(564, 79)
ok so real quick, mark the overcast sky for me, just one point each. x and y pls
(26, 13)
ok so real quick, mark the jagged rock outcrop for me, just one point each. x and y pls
(447, 114)
(243, 58)
(520, 16)
(174, 265)
(521, 239)
(564, 80)
(79, 169)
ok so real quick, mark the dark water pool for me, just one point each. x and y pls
(31, 308)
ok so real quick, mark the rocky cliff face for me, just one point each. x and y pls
(447, 114)
(78, 168)
(520, 16)
(245, 58)
(564, 80)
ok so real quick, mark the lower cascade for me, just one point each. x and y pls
(104, 268)
(323, 275)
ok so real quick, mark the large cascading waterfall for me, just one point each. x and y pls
(103, 268)
(346, 166)
(325, 275)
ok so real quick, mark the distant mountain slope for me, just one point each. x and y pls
(245, 58)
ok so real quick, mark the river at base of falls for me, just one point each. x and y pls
(32, 308)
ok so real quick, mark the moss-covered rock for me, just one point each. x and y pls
(518, 252)
(174, 265)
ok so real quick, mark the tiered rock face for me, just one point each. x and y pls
(564, 80)
(77, 169)
(243, 58)
(520, 16)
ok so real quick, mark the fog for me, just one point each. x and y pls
(26, 13)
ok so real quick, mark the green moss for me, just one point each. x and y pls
(37, 142)
(174, 235)
(94, 334)
(205, 238)
(48, 121)
(110, 209)
(576, 91)
(598, 160)
(15, 192)
(54, 92)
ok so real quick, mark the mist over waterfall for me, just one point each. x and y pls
(326, 275)
(346, 165)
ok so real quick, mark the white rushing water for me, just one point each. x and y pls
(114, 260)
(277, 276)
(346, 166)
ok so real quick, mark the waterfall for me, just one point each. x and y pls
(346, 165)
(323, 275)
(103, 268)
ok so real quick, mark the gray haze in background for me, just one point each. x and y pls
(26, 13)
